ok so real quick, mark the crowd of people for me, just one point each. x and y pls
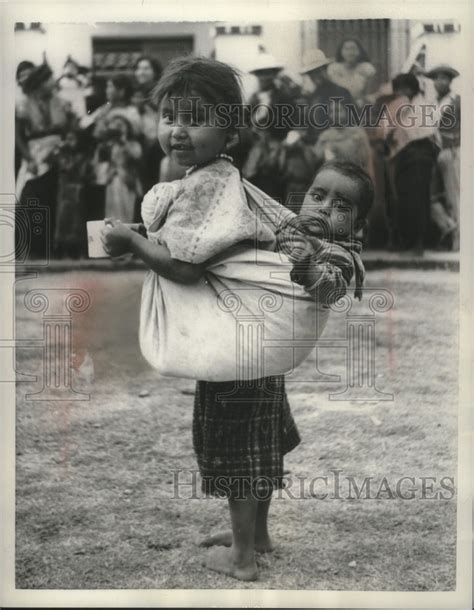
(86, 147)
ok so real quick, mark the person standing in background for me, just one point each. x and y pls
(352, 70)
(119, 91)
(261, 167)
(23, 70)
(446, 179)
(42, 118)
(325, 94)
(117, 163)
(147, 72)
(412, 149)
(344, 142)
(71, 87)
(75, 173)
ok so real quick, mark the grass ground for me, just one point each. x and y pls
(94, 479)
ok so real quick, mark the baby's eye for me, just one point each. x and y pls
(316, 196)
(167, 115)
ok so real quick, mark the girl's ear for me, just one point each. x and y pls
(360, 223)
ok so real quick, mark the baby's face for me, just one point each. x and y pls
(188, 133)
(331, 205)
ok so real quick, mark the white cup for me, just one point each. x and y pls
(94, 243)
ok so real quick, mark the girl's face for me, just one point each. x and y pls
(144, 72)
(187, 132)
(331, 202)
(350, 52)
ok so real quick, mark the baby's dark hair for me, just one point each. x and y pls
(359, 175)
(213, 81)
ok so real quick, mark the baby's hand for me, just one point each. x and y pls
(116, 237)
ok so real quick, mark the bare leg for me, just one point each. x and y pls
(238, 560)
(263, 543)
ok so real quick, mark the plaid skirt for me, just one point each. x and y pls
(241, 431)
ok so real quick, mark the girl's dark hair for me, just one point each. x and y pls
(213, 81)
(363, 55)
(402, 81)
(123, 82)
(359, 175)
(154, 63)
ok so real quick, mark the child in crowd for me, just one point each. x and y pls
(343, 142)
(117, 163)
(75, 172)
(241, 430)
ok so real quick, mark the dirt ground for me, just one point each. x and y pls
(96, 479)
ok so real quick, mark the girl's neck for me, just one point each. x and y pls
(193, 168)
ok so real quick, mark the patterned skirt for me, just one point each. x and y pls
(241, 431)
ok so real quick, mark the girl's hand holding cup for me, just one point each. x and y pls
(116, 237)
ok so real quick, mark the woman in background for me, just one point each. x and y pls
(147, 72)
(71, 87)
(41, 119)
(117, 165)
(352, 70)
(119, 91)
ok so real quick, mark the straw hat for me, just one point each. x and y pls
(313, 60)
(265, 61)
(445, 69)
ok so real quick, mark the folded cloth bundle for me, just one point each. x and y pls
(246, 318)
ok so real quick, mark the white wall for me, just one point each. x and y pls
(60, 40)
(282, 39)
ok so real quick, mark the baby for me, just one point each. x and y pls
(320, 240)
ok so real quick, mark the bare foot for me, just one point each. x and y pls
(219, 539)
(221, 560)
(225, 539)
(264, 545)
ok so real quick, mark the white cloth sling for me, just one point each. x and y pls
(245, 319)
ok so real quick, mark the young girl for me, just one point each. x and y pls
(241, 431)
(241, 428)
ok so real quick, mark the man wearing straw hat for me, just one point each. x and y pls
(447, 174)
(315, 65)
(261, 166)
